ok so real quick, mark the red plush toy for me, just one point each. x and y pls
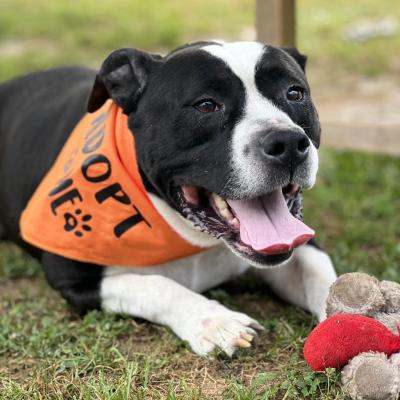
(335, 341)
(360, 336)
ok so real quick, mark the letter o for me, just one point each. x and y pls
(96, 168)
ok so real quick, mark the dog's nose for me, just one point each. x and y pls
(289, 147)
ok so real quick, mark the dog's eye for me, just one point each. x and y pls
(207, 106)
(295, 93)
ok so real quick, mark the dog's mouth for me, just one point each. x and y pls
(267, 225)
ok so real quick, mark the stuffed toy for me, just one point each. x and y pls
(361, 336)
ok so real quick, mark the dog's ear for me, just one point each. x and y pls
(122, 77)
(301, 59)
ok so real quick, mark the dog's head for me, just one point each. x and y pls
(226, 134)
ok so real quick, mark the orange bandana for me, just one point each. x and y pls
(92, 205)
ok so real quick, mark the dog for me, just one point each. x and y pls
(225, 139)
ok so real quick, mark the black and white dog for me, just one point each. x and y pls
(222, 130)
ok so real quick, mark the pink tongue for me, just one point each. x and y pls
(267, 225)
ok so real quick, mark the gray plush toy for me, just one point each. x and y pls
(370, 375)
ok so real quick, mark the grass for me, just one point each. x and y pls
(48, 352)
(36, 34)
(44, 33)
(321, 35)
(356, 214)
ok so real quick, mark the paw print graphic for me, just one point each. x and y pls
(72, 222)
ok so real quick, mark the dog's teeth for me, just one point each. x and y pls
(220, 202)
(225, 213)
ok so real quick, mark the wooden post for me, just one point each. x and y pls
(276, 22)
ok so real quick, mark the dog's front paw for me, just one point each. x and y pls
(220, 328)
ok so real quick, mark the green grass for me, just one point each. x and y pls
(41, 33)
(46, 33)
(321, 35)
(48, 352)
(356, 212)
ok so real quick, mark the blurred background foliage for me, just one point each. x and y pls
(36, 34)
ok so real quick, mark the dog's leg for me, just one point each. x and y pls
(204, 323)
(304, 280)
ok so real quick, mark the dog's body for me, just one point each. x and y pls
(199, 117)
